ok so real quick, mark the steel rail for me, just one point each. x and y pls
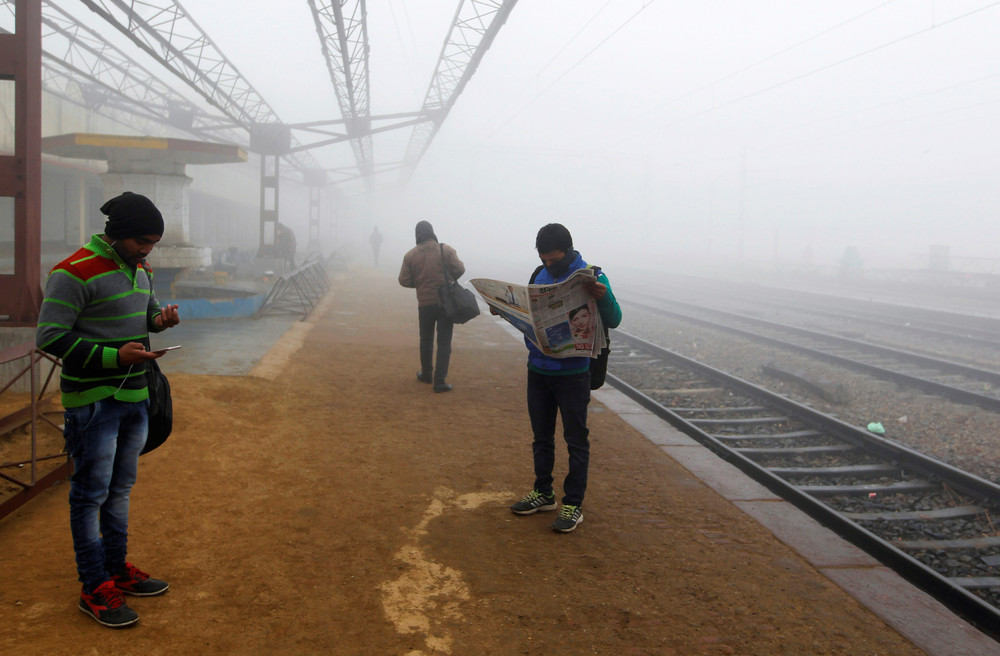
(958, 599)
(896, 318)
(948, 391)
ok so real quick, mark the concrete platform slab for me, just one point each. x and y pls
(723, 477)
(913, 613)
(228, 347)
(817, 544)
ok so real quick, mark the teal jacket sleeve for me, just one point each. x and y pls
(611, 312)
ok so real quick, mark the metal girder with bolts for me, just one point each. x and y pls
(472, 31)
(164, 30)
(82, 67)
(342, 26)
(21, 173)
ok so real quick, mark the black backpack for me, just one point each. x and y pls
(598, 365)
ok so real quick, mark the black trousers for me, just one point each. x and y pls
(569, 397)
(431, 317)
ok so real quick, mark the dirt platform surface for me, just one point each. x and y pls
(329, 503)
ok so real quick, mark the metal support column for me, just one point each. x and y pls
(269, 171)
(21, 173)
(316, 180)
(315, 198)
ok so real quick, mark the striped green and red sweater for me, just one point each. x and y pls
(94, 303)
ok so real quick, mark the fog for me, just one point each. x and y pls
(665, 134)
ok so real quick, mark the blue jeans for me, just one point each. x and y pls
(104, 440)
(568, 396)
(429, 316)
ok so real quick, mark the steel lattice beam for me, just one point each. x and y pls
(472, 31)
(165, 30)
(106, 77)
(83, 68)
(342, 27)
(168, 34)
(83, 51)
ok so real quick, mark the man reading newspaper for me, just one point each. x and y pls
(560, 341)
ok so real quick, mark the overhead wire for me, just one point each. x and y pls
(829, 66)
(412, 78)
(570, 42)
(645, 5)
(935, 119)
(768, 58)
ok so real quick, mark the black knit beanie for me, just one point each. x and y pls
(425, 231)
(131, 215)
(553, 237)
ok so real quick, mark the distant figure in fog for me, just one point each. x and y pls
(285, 242)
(376, 241)
(850, 264)
(423, 270)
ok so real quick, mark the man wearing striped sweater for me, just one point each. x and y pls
(97, 312)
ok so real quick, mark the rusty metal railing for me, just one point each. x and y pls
(35, 412)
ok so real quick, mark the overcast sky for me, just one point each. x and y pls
(772, 131)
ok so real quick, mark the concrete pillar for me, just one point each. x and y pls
(154, 168)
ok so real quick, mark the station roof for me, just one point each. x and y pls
(108, 147)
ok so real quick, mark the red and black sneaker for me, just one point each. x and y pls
(133, 581)
(107, 606)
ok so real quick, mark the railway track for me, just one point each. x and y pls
(929, 521)
(955, 381)
(973, 330)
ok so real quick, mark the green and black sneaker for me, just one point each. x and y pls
(568, 518)
(533, 502)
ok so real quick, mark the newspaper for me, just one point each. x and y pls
(561, 319)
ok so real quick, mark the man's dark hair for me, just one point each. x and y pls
(553, 237)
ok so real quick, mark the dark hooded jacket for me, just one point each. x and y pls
(422, 268)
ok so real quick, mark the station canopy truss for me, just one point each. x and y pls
(84, 68)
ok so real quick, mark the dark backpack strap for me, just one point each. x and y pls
(597, 272)
(444, 267)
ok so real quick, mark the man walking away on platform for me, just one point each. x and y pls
(423, 270)
(561, 386)
(376, 241)
(98, 309)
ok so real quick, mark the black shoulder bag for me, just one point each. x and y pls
(459, 303)
(161, 407)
